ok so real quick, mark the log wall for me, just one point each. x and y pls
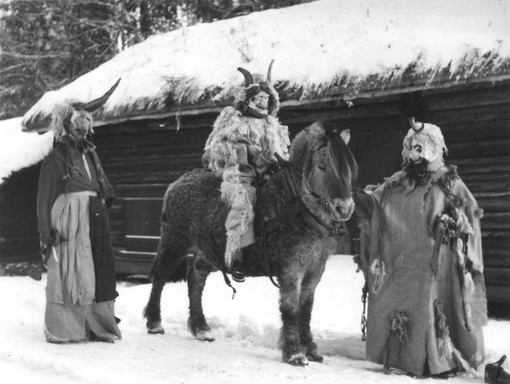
(141, 158)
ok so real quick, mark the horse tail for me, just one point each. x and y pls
(170, 263)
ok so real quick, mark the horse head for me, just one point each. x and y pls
(327, 171)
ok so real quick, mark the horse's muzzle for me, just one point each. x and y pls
(342, 209)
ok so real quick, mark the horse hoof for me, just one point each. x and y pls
(314, 356)
(298, 360)
(204, 336)
(155, 329)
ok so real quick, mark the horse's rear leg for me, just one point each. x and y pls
(196, 283)
(171, 251)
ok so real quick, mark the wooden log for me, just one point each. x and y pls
(488, 148)
(142, 243)
(154, 162)
(493, 202)
(160, 124)
(503, 236)
(308, 116)
(491, 242)
(468, 114)
(133, 263)
(141, 190)
(148, 177)
(496, 258)
(496, 221)
(469, 132)
(488, 183)
(498, 294)
(469, 98)
(482, 165)
(497, 276)
(144, 139)
(133, 155)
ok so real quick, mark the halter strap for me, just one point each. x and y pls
(297, 207)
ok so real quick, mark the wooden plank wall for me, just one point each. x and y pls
(141, 159)
(476, 126)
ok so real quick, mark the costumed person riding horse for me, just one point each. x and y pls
(73, 196)
(240, 150)
(421, 255)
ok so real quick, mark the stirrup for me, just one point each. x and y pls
(495, 374)
(237, 272)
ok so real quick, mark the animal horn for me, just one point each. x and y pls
(248, 78)
(416, 126)
(91, 106)
(269, 71)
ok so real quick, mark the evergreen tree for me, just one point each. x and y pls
(45, 44)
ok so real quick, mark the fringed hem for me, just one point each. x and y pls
(239, 221)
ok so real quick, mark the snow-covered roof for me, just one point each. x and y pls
(323, 49)
(20, 149)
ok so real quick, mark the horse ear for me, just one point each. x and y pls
(346, 135)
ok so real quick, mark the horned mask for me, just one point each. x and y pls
(423, 142)
(246, 101)
(75, 119)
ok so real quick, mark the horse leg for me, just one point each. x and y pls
(290, 343)
(196, 283)
(305, 314)
(152, 311)
(168, 260)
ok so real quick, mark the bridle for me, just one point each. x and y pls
(298, 208)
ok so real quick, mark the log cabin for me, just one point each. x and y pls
(363, 65)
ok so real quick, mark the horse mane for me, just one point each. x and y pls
(318, 135)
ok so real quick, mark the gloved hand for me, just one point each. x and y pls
(451, 227)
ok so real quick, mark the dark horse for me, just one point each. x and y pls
(296, 212)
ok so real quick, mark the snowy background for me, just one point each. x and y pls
(246, 331)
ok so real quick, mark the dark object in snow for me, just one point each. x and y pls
(295, 249)
(495, 374)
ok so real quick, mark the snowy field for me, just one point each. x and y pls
(246, 330)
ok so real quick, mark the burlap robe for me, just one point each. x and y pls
(71, 310)
(420, 322)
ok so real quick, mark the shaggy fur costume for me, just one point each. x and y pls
(240, 150)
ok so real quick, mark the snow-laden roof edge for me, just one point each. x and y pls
(321, 49)
(19, 149)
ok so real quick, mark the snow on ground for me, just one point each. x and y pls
(246, 330)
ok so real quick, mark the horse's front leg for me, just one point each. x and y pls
(306, 306)
(290, 343)
(196, 283)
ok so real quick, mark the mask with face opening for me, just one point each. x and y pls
(423, 145)
(258, 99)
(74, 120)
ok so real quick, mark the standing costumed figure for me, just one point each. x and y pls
(73, 196)
(421, 255)
(240, 150)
